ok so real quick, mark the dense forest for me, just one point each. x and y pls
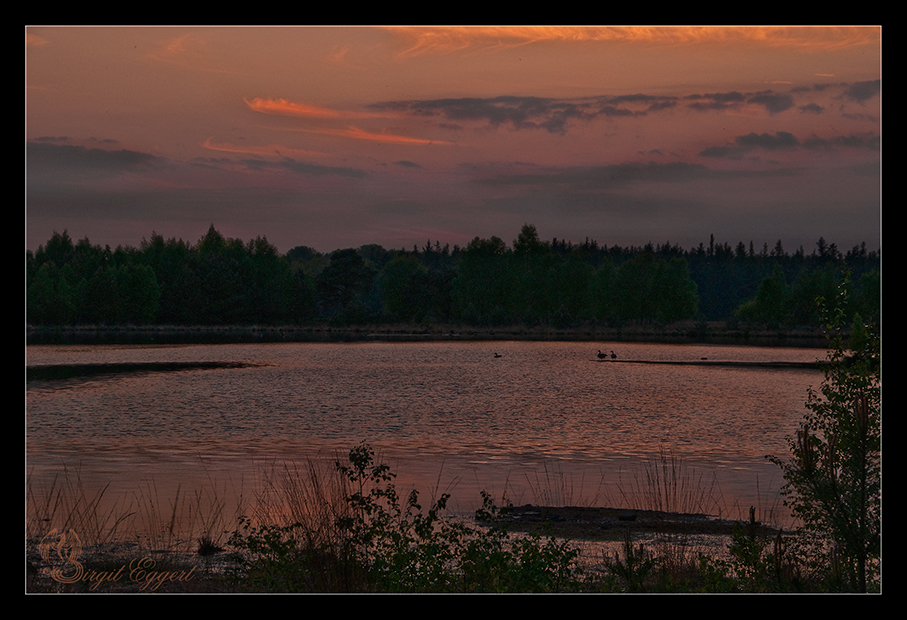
(224, 281)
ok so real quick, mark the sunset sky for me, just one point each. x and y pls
(336, 137)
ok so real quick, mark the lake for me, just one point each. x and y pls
(541, 421)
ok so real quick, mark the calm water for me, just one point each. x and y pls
(443, 414)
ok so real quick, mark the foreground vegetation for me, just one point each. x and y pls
(352, 532)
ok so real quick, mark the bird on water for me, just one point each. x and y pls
(601, 355)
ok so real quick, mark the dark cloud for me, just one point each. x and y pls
(49, 155)
(715, 101)
(637, 98)
(861, 91)
(773, 102)
(871, 142)
(554, 115)
(548, 114)
(785, 140)
(781, 140)
(722, 152)
(662, 105)
(652, 103)
(518, 112)
(751, 141)
(812, 108)
(729, 97)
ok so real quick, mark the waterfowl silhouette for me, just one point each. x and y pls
(613, 355)
(601, 355)
(497, 354)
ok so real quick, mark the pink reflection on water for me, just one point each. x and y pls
(545, 422)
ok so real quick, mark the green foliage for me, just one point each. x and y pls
(389, 543)
(533, 284)
(411, 550)
(268, 556)
(771, 301)
(631, 573)
(482, 284)
(343, 287)
(219, 280)
(49, 296)
(784, 300)
(833, 477)
(406, 291)
(756, 563)
(82, 283)
(651, 289)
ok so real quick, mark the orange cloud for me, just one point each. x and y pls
(33, 40)
(284, 107)
(361, 134)
(452, 39)
(288, 108)
(172, 50)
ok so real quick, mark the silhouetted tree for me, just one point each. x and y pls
(533, 290)
(49, 297)
(833, 476)
(406, 289)
(482, 285)
(222, 280)
(648, 289)
(344, 285)
(770, 306)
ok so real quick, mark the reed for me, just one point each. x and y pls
(67, 504)
(308, 493)
(666, 484)
(145, 517)
(554, 487)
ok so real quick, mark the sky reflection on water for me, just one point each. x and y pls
(437, 409)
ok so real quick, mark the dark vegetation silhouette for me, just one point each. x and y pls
(224, 281)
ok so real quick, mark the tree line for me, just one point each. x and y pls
(225, 281)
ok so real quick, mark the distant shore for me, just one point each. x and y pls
(679, 333)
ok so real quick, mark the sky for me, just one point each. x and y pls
(337, 137)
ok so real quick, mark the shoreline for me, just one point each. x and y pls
(716, 333)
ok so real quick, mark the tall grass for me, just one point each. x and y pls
(308, 493)
(553, 487)
(66, 504)
(145, 516)
(666, 484)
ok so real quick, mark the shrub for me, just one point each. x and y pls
(833, 477)
(631, 572)
(390, 544)
(757, 563)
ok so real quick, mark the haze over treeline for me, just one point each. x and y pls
(227, 281)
